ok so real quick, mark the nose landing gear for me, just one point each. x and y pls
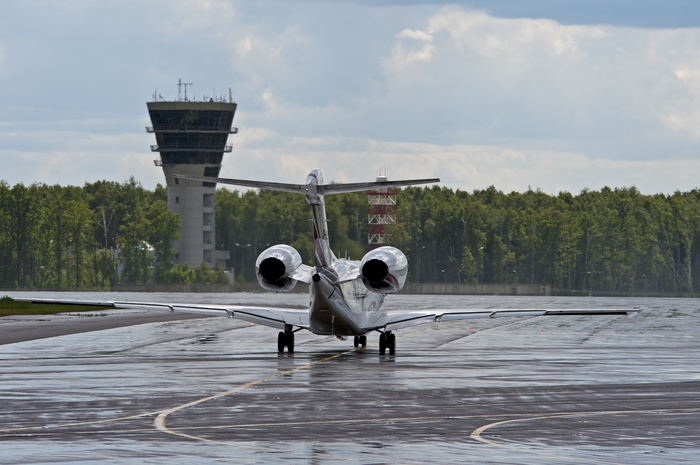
(387, 340)
(360, 341)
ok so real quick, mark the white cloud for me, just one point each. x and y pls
(512, 46)
(688, 75)
(466, 167)
(244, 46)
(73, 158)
(492, 37)
(684, 116)
(542, 84)
(268, 48)
(417, 35)
(687, 124)
(404, 53)
(186, 16)
(250, 135)
(475, 99)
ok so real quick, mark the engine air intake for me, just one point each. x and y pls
(272, 269)
(375, 271)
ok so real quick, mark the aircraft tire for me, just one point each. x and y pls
(391, 343)
(281, 342)
(363, 341)
(290, 342)
(356, 341)
(382, 344)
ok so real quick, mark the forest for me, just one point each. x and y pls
(612, 240)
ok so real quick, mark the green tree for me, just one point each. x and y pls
(79, 221)
(164, 227)
(133, 250)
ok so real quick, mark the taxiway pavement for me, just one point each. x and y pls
(545, 390)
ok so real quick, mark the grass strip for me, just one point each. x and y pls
(9, 306)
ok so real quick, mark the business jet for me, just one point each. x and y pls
(346, 296)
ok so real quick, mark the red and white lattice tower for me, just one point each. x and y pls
(382, 211)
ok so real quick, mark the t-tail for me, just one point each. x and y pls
(314, 190)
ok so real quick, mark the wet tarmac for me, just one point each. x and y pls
(544, 390)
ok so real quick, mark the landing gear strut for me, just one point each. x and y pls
(285, 339)
(360, 341)
(387, 341)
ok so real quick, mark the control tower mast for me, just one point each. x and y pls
(191, 138)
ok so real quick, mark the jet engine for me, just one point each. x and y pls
(384, 270)
(275, 266)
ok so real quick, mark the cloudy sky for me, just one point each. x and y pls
(550, 94)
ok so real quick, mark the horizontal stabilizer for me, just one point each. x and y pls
(340, 188)
(271, 186)
(368, 186)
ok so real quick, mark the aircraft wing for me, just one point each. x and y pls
(268, 316)
(397, 320)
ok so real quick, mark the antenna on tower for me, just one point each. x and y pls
(230, 97)
(179, 85)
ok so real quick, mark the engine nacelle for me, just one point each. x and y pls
(384, 270)
(275, 266)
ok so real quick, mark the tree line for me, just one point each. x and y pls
(69, 237)
(616, 240)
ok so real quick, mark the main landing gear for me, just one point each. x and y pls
(285, 339)
(360, 341)
(387, 340)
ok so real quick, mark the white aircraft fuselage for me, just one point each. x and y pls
(337, 306)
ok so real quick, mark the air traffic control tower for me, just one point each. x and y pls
(191, 138)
